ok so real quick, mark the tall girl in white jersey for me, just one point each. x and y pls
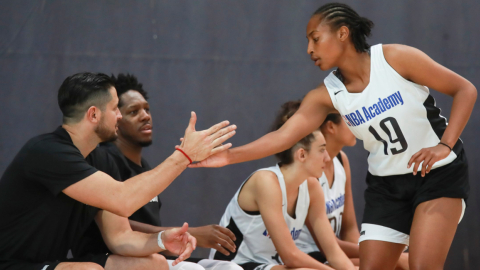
(418, 173)
(270, 208)
(336, 182)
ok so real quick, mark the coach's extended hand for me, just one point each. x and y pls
(199, 145)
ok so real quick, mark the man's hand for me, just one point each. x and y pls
(215, 236)
(179, 242)
(199, 145)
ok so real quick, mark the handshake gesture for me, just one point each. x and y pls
(199, 145)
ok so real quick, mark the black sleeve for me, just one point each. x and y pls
(56, 165)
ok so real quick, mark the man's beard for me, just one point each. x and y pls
(145, 144)
(104, 133)
(133, 139)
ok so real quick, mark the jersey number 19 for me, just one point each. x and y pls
(394, 137)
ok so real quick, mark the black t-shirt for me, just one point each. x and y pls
(92, 241)
(150, 213)
(38, 222)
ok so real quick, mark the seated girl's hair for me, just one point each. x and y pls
(287, 110)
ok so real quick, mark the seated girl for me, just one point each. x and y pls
(268, 212)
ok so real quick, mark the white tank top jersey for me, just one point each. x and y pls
(334, 202)
(394, 117)
(253, 240)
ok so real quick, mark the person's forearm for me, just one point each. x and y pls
(462, 106)
(146, 228)
(350, 234)
(329, 245)
(351, 237)
(135, 244)
(350, 249)
(271, 143)
(299, 259)
(139, 190)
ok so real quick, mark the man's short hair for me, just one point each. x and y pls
(81, 91)
(126, 82)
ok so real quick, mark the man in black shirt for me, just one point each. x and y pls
(51, 193)
(135, 133)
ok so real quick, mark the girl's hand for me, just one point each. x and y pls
(428, 156)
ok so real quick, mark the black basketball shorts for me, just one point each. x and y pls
(257, 266)
(100, 259)
(390, 201)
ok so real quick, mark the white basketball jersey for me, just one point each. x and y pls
(334, 202)
(253, 240)
(394, 117)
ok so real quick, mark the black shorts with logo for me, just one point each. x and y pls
(390, 201)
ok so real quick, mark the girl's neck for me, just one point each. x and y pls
(355, 67)
(333, 149)
(293, 176)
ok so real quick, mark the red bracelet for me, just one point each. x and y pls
(189, 159)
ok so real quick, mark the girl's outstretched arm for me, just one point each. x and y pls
(314, 109)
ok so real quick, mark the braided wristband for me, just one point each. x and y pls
(445, 145)
(189, 159)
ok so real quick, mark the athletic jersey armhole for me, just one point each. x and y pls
(237, 195)
(381, 57)
(377, 50)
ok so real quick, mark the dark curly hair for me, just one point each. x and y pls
(126, 82)
(287, 110)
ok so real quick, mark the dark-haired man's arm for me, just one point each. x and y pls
(121, 240)
(124, 198)
(209, 236)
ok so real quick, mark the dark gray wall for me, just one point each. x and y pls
(235, 60)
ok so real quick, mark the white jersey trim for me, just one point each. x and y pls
(382, 233)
